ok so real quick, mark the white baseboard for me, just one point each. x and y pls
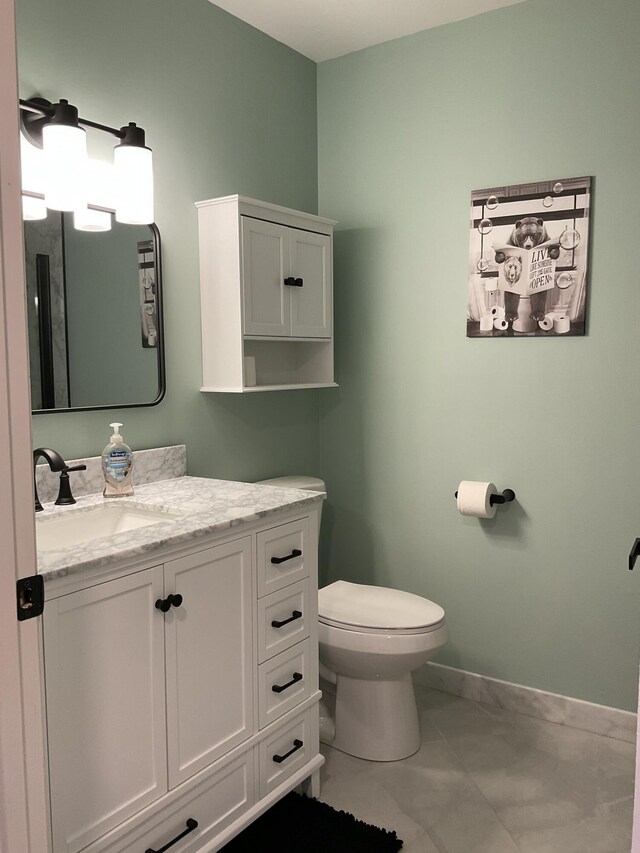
(601, 719)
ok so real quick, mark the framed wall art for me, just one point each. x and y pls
(528, 251)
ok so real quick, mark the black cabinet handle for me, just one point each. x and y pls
(635, 553)
(297, 744)
(165, 604)
(294, 282)
(295, 553)
(278, 688)
(191, 825)
(296, 614)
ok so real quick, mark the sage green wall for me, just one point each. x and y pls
(226, 110)
(541, 594)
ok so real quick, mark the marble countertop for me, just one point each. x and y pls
(210, 506)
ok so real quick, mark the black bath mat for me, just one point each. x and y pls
(299, 824)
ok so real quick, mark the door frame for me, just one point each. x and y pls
(23, 800)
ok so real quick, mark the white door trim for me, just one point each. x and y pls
(23, 810)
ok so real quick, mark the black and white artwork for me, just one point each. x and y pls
(147, 284)
(528, 250)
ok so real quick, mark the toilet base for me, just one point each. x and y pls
(376, 719)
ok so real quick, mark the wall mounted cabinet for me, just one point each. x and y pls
(266, 284)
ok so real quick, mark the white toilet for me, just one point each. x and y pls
(371, 638)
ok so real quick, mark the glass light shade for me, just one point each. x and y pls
(33, 208)
(87, 219)
(65, 164)
(32, 166)
(101, 184)
(134, 184)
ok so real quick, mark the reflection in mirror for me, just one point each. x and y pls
(95, 315)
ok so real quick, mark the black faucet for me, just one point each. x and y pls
(56, 463)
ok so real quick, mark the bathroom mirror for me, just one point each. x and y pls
(95, 315)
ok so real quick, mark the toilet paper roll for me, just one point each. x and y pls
(500, 324)
(561, 324)
(249, 370)
(497, 312)
(547, 324)
(475, 499)
(486, 323)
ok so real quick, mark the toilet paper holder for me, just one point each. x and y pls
(505, 497)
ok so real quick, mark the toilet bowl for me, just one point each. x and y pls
(371, 639)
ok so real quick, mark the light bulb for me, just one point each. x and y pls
(134, 184)
(65, 158)
(32, 166)
(33, 208)
(87, 219)
(101, 184)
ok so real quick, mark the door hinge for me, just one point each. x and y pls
(30, 597)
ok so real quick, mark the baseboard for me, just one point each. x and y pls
(600, 719)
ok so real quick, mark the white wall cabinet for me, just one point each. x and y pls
(266, 283)
(158, 720)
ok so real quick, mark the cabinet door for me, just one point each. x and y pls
(209, 653)
(265, 265)
(311, 303)
(104, 676)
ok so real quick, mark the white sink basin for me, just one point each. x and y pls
(74, 527)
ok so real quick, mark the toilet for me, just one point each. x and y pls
(371, 638)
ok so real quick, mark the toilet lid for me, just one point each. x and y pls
(375, 607)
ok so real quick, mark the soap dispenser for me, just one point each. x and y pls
(117, 463)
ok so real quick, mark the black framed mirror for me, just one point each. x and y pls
(96, 337)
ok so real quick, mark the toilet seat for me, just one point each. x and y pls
(377, 610)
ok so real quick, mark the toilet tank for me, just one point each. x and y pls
(311, 484)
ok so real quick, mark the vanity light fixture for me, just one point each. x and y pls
(58, 174)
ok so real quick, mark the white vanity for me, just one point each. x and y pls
(181, 666)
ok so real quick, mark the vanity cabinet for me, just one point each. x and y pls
(183, 692)
(266, 284)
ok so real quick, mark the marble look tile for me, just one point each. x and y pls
(507, 783)
(340, 766)
(601, 719)
(601, 833)
(371, 802)
(543, 775)
(149, 466)
(451, 715)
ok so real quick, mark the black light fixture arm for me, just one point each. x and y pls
(130, 134)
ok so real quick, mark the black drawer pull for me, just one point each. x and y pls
(294, 282)
(165, 604)
(297, 744)
(295, 553)
(191, 825)
(278, 688)
(296, 614)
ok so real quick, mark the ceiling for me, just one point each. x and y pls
(324, 29)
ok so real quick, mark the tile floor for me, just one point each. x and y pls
(487, 780)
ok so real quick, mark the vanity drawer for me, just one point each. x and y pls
(287, 749)
(283, 620)
(215, 803)
(281, 555)
(283, 682)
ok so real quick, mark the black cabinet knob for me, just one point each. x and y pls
(170, 601)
